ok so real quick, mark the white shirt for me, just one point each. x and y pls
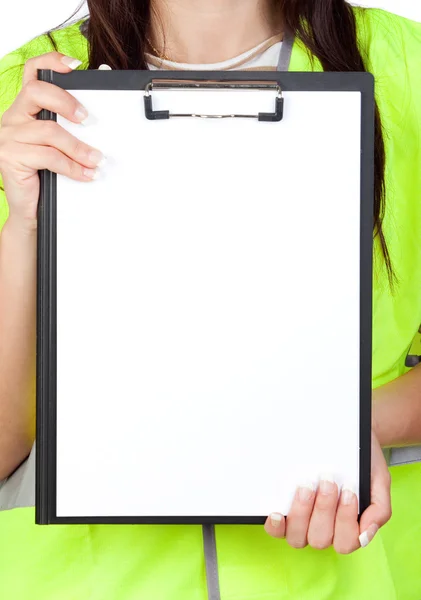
(263, 57)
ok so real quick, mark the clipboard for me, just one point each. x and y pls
(204, 307)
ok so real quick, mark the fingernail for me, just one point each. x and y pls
(276, 519)
(91, 173)
(81, 113)
(347, 494)
(327, 484)
(305, 491)
(104, 67)
(73, 63)
(368, 534)
(90, 120)
(96, 157)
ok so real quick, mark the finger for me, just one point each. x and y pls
(322, 521)
(56, 61)
(378, 513)
(298, 519)
(275, 525)
(380, 509)
(32, 158)
(50, 133)
(347, 530)
(37, 95)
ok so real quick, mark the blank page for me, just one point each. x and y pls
(208, 290)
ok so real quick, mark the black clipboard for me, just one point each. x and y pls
(147, 81)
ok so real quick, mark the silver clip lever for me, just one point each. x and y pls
(154, 115)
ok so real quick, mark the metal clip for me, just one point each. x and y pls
(154, 115)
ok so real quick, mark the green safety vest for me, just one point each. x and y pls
(164, 562)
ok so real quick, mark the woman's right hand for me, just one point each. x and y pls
(28, 144)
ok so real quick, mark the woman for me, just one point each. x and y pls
(163, 562)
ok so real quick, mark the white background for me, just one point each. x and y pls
(24, 19)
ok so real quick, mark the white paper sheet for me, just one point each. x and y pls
(208, 306)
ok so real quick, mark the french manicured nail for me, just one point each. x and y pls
(305, 491)
(276, 519)
(91, 173)
(96, 157)
(327, 484)
(104, 67)
(73, 63)
(347, 494)
(90, 120)
(81, 114)
(368, 534)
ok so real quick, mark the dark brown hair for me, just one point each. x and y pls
(117, 35)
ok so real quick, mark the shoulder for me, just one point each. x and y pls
(68, 40)
(382, 24)
(391, 48)
(388, 41)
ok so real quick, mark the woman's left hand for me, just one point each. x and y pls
(321, 519)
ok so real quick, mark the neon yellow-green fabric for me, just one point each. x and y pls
(166, 562)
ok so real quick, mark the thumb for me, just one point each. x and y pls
(380, 510)
(372, 519)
